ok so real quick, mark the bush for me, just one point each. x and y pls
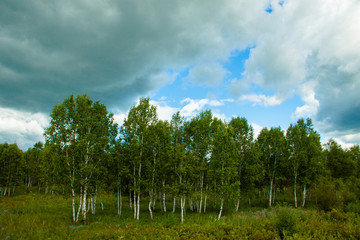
(325, 194)
(286, 222)
(353, 207)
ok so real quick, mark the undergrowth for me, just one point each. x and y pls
(35, 216)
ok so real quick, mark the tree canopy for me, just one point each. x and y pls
(190, 163)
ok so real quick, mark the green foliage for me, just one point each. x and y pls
(273, 149)
(81, 131)
(353, 207)
(11, 168)
(203, 163)
(341, 163)
(286, 222)
(325, 194)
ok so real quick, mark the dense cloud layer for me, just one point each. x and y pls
(117, 51)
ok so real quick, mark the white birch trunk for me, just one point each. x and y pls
(84, 203)
(205, 203)
(182, 206)
(201, 192)
(135, 206)
(150, 207)
(138, 207)
(73, 202)
(304, 196)
(174, 205)
(94, 205)
(164, 201)
(237, 205)
(221, 208)
(80, 205)
(295, 193)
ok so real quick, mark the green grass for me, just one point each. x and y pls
(35, 216)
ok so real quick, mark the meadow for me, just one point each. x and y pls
(39, 216)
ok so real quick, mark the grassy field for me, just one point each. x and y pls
(37, 216)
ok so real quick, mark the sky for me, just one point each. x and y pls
(271, 62)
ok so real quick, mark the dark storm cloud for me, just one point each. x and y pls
(338, 92)
(50, 49)
(116, 51)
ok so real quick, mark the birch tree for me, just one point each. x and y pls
(272, 146)
(179, 161)
(10, 168)
(223, 169)
(200, 133)
(81, 130)
(242, 136)
(304, 153)
(135, 131)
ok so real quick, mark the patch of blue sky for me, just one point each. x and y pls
(180, 88)
(236, 62)
(269, 9)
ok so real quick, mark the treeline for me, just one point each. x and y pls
(190, 163)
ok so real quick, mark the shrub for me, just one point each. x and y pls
(353, 207)
(286, 222)
(325, 194)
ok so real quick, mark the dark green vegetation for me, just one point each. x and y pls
(195, 178)
(39, 216)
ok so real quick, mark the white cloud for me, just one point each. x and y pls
(262, 99)
(24, 128)
(194, 106)
(346, 138)
(119, 117)
(310, 108)
(164, 111)
(210, 74)
(309, 48)
(257, 129)
(217, 114)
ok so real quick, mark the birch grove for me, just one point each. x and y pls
(187, 164)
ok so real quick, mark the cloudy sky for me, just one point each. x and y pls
(269, 61)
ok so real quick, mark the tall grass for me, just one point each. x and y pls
(35, 216)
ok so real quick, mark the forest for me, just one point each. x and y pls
(180, 169)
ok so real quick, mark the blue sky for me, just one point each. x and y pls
(181, 88)
(269, 61)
